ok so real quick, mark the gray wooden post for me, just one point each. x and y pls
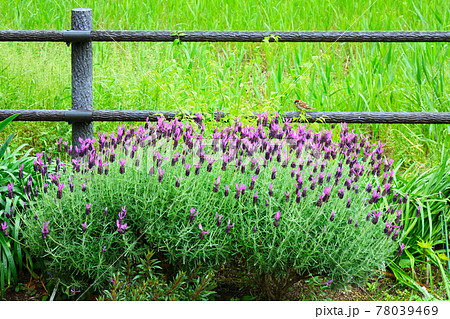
(82, 91)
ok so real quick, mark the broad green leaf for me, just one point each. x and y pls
(7, 121)
(5, 145)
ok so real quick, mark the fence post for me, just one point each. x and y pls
(82, 91)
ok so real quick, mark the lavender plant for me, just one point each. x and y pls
(290, 201)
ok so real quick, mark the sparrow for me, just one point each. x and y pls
(302, 105)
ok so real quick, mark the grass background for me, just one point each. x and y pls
(400, 77)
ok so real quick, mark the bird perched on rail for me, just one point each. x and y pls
(302, 106)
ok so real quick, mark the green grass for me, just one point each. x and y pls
(239, 77)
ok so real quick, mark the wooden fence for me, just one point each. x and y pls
(80, 37)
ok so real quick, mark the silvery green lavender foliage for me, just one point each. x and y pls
(280, 196)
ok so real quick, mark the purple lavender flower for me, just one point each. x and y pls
(197, 168)
(255, 198)
(348, 203)
(83, 187)
(103, 250)
(304, 191)
(71, 186)
(276, 223)
(45, 230)
(287, 196)
(375, 217)
(252, 183)
(405, 198)
(349, 220)
(394, 199)
(192, 215)
(35, 216)
(326, 193)
(88, 208)
(375, 197)
(274, 172)
(329, 283)
(332, 215)
(226, 190)
(216, 187)
(257, 170)
(160, 173)
(177, 183)
(399, 214)
(341, 193)
(227, 230)
(4, 227)
(270, 190)
(106, 211)
(219, 222)
(394, 237)
(400, 252)
(254, 229)
(122, 165)
(188, 166)
(84, 227)
(60, 189)
(203, 233)
(122, 214)
(10, 190)
(73, 291)
(418, 211)
(21, 171)
(369, 188)
(387, 190)
(121, 228)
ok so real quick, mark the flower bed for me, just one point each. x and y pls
(288, 201)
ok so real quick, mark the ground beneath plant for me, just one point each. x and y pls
(236, 283)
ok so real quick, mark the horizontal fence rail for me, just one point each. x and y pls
(224, 36)
(73, 116)
(82, 115)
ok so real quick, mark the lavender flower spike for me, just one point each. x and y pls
(121, 228)
(84, 227)
(276, 223)
(122, 165)
(332, 215)
(88, 208)
(216, 188)
(219, 222)
(73, 291)
(192, 215)
(123, 213)
(4, 227)
(203, 233)
(10, 190)
(45, 230)
(255, 198)
(227, 230)
(59, 192)
(400, 252)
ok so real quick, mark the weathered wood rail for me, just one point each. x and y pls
(80, 37)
